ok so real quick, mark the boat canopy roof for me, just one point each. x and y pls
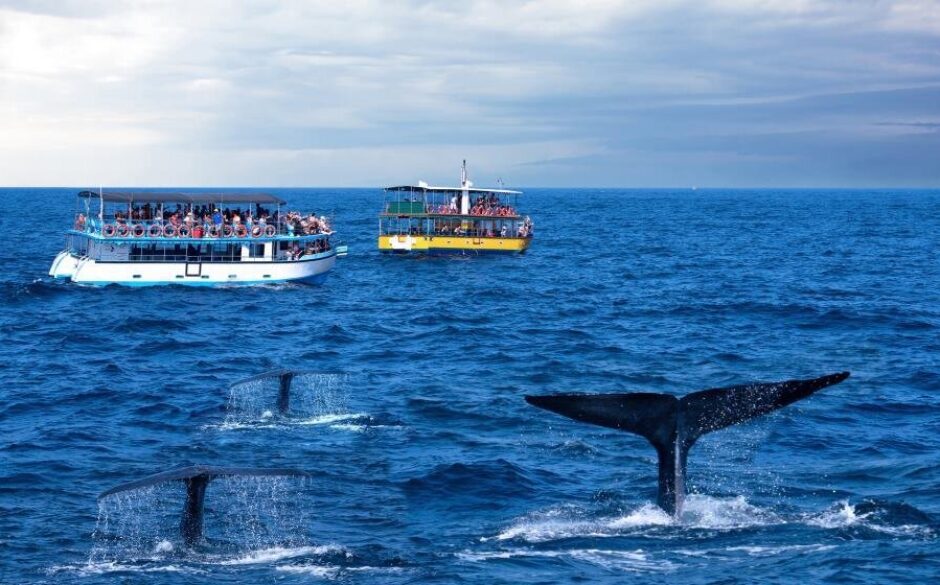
(429, 189)
(156, 197)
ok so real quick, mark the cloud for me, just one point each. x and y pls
(362, 92)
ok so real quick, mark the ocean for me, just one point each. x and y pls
(425, 463)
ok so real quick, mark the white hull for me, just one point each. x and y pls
(64, 265)
(250, 271)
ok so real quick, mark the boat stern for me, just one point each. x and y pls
(64, 265)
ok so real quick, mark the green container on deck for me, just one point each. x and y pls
(405, 207)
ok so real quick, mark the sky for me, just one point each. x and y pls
(553, 93)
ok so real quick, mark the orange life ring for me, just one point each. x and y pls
(270, 231)
(227, 231)
(169, 231)
(107, 230)
(155, 231)
(197, 231)
(122, 230)
(257, 231)
(241, 231)
(184, 231)
(213, 231)
(138, 230)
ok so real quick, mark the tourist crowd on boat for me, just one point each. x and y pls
(491, 211)
(314, 247)
(205, 222)
(525, 230)
(489, 206)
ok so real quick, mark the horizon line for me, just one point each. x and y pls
(544, 188)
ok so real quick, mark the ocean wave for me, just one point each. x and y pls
(274, 554)
(331, 419)
(356, 422)
(479, 479)
(331, 572)
(635, 561)
(90, 569)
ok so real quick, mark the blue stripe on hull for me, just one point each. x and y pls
(315, 279)
(311, 280)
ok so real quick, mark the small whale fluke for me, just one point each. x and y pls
(196, 478)
(284, 377)
(672, 425)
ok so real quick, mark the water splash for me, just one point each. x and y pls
(562, 522)
(708, 513)
(312, 395)
(137, 525)
(244, 514)
(881, 517)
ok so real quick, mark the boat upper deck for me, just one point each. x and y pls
(443, 212)
(193, 217)
(219, 198)
(452, 203)
(423, 188)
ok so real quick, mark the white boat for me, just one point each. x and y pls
(206, 239)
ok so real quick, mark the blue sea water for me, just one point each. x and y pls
(426, 464)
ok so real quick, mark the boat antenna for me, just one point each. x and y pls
(101, 204)
(463, 174)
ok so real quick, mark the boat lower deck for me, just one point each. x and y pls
(85, 270)
(449, 244)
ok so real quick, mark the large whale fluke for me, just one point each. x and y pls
(197, 478)
(672, 425)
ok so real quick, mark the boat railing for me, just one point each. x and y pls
(468, 233)
(203, 258)
(165, 230)
(506, 212)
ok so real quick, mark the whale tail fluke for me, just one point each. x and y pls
(284, 380)
(196, 478)
(652, 416)
(672, 425)
(715, 409)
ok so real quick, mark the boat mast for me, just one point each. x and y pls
(465, 185)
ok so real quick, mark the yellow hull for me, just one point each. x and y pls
(451, 244)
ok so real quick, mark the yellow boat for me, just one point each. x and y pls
(452, 220)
